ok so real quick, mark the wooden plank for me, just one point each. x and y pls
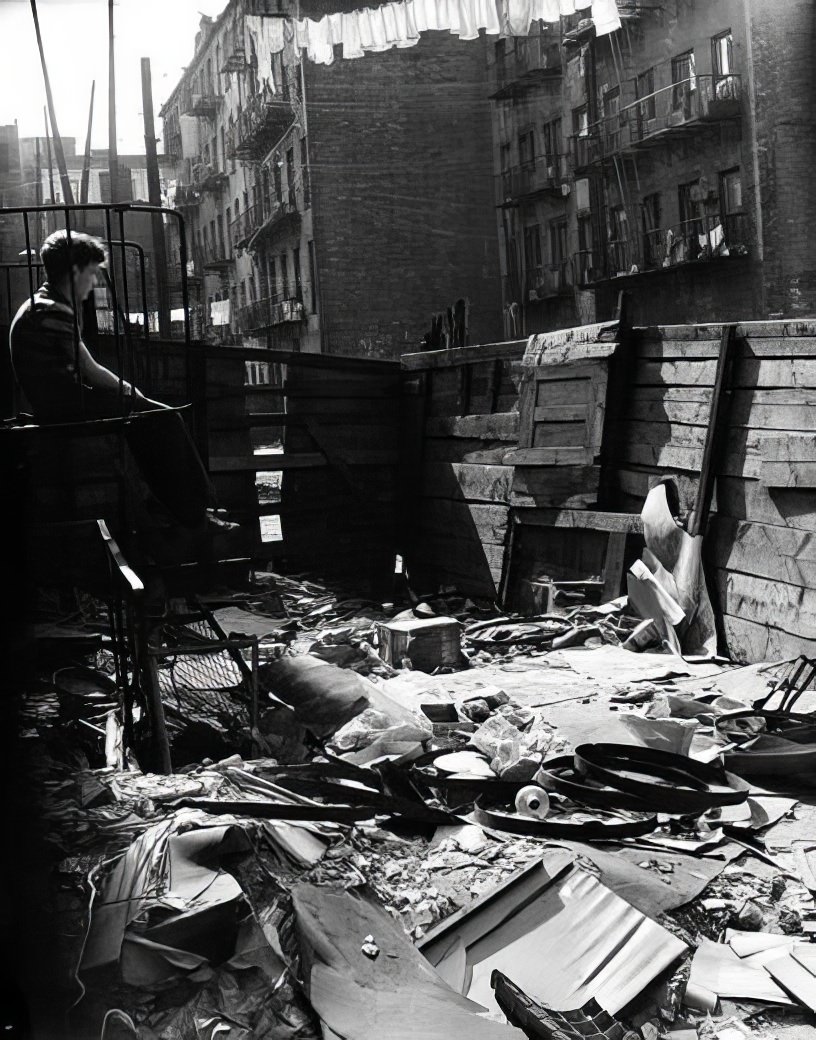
(561, 413)
(487, 522)
(800, 447)
(452, 449)
(764, 550)
(300, 460)
(502, 426)
(670, 457)
(466, 481)
(513, 349)
(748, 372)
(761, 347)
(594, 520)
(561, 456)
(750, 500)
(450, 558)
(563, 486)
(613, 566)
(750, 642)
(789, 608)
(788, 474)
(757, 409)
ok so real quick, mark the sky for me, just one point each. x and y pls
(75, 39)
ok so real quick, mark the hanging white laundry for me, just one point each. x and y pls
(335, 28)
(468, 26)
(390, 22)
(274, 33)
(582, 5)
(546, 10)
(301, 34)
(453, 16)
(411, 30)
(606, 17)
(364, 28)
(519, 16)
(378, 31)
(487, 17)
(319, 47)
(567, 8)
(443, 18)
(352, 44)
(415, 9)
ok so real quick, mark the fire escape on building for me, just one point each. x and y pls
(668, 105)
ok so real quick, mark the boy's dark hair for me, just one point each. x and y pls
(59, 257)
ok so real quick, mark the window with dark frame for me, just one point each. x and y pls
(312, 276)
(650, 217)
(526, 145)
(645, 92)
(684, 79)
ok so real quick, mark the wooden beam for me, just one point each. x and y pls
(67, 194)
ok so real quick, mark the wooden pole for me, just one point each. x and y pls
(67, 194)
(113, 154)
(86, 164)
(154, 197)
(50, 218)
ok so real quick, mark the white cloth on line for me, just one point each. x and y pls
(519, 16)
(468, 26)
(487, 17)
(352, 44)
(606, 16)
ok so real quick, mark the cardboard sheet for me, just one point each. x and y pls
(717, 971)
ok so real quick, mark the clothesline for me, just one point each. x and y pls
(401, 23)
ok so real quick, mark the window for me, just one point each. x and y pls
(504, 155)
(684, 79)
(221, 249)
(722, 65)
(252, 296)
(284, 276)
(304, 172)
(298, 281)
(558, 243)
(552, 143)
(650, 218)
(313, 277)
(730, 192)
(688, 202)
(290, 175)
(580, 121)
(228, 215)
(585, 233)
(532, 253)
(276, 171)
(618, 239)
(526, 147)
(611, 112)
(272, 276)
(722, 54)
(645, 90)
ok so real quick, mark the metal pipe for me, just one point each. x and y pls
(115, 301)
(60, 154)
(113, 154)
(74, 313)
(86, 164)
(128, 337)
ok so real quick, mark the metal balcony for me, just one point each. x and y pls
(546, 175)
(235, 59)
(273, 217)
(261, 125)
(215, 257)
(549, 281)
(273, 310)
(585, 150)
(204, 106)
(700, 240)
(534, 60)
(187, 196)
(269, 8)
(208, 178)
(244, 226)
(677, 111)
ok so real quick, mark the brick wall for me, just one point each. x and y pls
(783, 46)
(404, 218)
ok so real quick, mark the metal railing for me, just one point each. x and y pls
(272, 310)
(549, 280)
(546, 173)
(204, 105)
(700, 239)
(215, 254)
(261, 124)
(264, 215)
(533, 58)
(674, 108)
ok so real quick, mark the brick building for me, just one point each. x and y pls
(335, 207)
(670, 158)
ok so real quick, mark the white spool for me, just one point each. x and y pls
(533, 801)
